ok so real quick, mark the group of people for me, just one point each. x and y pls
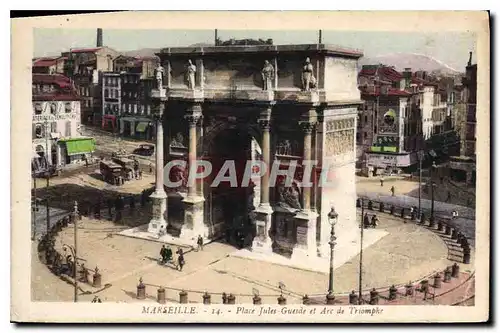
(166, 254)
(370, 223)
(393, 189)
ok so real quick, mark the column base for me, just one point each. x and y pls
(193, 219)
(158, 223)
(262, 242)
(306, 235)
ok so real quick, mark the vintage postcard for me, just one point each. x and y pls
(319, 167)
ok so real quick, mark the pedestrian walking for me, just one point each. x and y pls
(448, 197)
(180, 259)
(163, 254)
(199, 242)
(393, 190)
(374, 222)
(150, 168)
(382, 181)
(366, 221)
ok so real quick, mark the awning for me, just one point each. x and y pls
(76, 146)
(141, 127)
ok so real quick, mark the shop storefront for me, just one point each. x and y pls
(76, 150)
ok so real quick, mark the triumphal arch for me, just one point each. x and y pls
(271, 105)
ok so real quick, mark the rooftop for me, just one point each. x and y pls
(321, 48)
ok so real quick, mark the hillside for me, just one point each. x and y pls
(410, 60)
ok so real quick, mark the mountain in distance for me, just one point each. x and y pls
(415, 61)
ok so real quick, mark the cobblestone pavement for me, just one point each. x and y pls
(409, 252)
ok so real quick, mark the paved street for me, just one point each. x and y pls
(409, 252)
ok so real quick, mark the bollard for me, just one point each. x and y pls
(466, 255)
(224, 298)
(440, 226)
(305, 300)
(392, 210)
(353, 298)
(422, 218)
(381, 207)
(206, 298)
(454, 234)
(402, 213)
(432, 222)
(358, 203)
(257, 300)
(409, 289)
(447, 230)
(424, 286)
(96, 282)
(281, 300)
(370, 205)
(231, 299)
(330, 299)
(437, 281)
(447, 274)
(393, 292)
(141, 290)
(455, 270)
(413, 216)
(373, 297)
(183, 297)
(161, 295)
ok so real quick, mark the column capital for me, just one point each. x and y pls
(264, 119)
(193, 118)
(307, 126)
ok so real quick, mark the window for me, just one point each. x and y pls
(366, 119)
(67, 131)
(375, 129)
(135, 108)
(53, 108)
(365, 135)
(106, 93)
(38, 108)
(67, 107)
(39, 131)
(53, 127)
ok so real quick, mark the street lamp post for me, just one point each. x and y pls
(332, 218)
(433, 168)
(420, 159)
(362, 226)
(73, 250)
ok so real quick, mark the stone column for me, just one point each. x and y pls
(159, 197)
(193, 203)
(306, 219)
(263, 213)
(200, 73)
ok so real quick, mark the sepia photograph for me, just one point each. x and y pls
(266, 172)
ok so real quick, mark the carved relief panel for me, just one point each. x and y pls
(339, 136)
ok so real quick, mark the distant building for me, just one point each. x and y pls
(110, 83)
(84, 66)
(56, 139)
(463, 167)
(49, 65)
(389, 123)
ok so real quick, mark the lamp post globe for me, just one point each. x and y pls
(332, 219)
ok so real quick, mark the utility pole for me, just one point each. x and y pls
(75, 248)
(47, 175)
(360, 298)
(420, 158)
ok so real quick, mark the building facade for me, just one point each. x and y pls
(56, 122)
(220, 103)
(110, 83)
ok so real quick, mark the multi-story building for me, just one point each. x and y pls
(49, 65)
(56, 120)
(111, 100)
(389, 125)
(84, 66)
(463, 167)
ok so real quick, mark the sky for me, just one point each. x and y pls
(452, 48)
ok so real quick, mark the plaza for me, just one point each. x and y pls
(408, 252)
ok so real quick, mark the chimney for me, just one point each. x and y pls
(407, 77)
(320, 37)
(99, 37)
(470, 59)
(216, 38)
